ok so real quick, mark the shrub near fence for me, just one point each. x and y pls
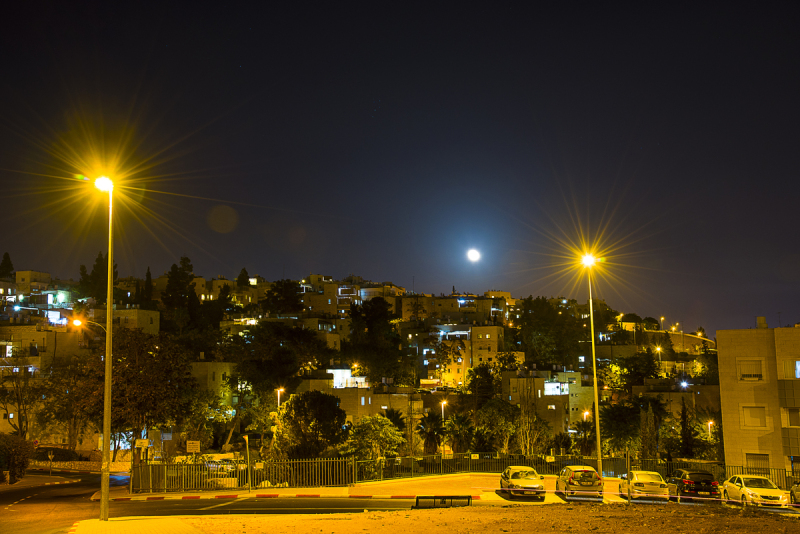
(344, 471)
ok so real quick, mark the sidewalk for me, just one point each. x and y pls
(31, 481)
(479, 486)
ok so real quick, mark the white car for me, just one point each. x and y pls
(644, 484)
(521, 480)
(754, 490)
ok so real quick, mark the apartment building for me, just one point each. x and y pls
(759, 374)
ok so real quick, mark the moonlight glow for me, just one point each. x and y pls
(473, 255)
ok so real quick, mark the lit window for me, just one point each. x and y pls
(362, 401)
(488, 336)
(581, 359)
(551, 406)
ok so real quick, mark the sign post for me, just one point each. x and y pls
(247, 448)
(50, 455)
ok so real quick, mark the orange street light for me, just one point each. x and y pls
(280, 390)
(443, 404)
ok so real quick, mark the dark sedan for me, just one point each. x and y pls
(693, 484)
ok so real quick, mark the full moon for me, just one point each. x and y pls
(473, 255)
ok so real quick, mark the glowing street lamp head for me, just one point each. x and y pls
(473, 255)
(588, 260)
(77, 322)
(444, 402)
(658, 349)
(104, 184)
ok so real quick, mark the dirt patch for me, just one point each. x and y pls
(579, 517)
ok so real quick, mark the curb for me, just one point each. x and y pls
(76, 471)
(73, 528)
(267, 496)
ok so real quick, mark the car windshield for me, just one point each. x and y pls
(700, 476)
(524, 474)
(649, 477)
(759, 483)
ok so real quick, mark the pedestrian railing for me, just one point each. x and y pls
(156, 477)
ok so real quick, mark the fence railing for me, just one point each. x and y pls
(344, 471)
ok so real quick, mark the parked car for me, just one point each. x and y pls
(692, 484)
(522, 480)
(644, 484)
(754, 490)
(580, 480)
(794, 493)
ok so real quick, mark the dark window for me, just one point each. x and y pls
(794, 416)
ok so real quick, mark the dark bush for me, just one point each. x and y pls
(15, 455)
(59, 455)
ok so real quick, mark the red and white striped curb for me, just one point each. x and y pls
(266, 496)
(73, 528)
(64, 482)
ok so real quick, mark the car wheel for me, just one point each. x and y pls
(792, 498)
(725, 496)
(619, 490)
(510, 495)
(744, 500)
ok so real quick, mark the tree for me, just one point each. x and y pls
(179, 284)
(312, 422)
(6, 267)
(431, 430)
(499, 420)
(375, 344)
(151, 381)
(649, 436)
(372, 438)
(620, 426)
(283, 297)
(585, 436)
(15, 452)
(61, 404)
(561, 442)
(396, 417)
(548, 336)
(459, 431)
(243, 280)
(687, 432)
(19, 392)
(483, 383)
(532, 431)
(95, 284)
(651, 323)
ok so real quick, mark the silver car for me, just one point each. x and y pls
(522, 480)
(644, 484)
(579, 480)
(754, 490)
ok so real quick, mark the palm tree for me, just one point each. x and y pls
(459, 431)
(585, 441)
(430, 429)
(396, 417)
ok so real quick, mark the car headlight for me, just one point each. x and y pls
(785, 497)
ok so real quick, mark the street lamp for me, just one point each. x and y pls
(107, 186)
(588, 261)
(585, 414)
(709, 429)
(280, 390)
(443, 403)
(662, 323)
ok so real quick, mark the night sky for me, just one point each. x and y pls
(385, 139)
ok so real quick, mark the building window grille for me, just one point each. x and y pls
(750, 370)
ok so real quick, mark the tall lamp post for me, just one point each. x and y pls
(588, 262)
(280, 390)
(443, 403)
(106, 185)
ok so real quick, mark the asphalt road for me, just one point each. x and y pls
(54, 509)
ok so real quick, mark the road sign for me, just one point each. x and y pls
(142, 443)
(193, 446)
(50, 455)
(475, 456)
(550, 459)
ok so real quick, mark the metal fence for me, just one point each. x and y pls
(345, 471)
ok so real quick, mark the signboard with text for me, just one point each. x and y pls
(193, 446)
(142, 443)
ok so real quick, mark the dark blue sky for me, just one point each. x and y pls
(385, 139)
